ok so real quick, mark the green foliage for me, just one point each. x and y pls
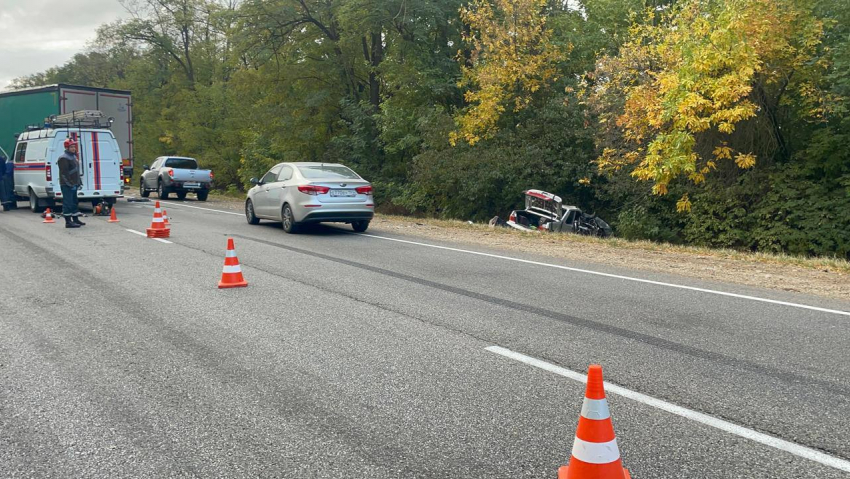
(548, 150)
(781, 211)
(640, 222)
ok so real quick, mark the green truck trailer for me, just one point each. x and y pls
(22, 108)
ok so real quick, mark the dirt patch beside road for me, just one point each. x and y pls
(822, 277)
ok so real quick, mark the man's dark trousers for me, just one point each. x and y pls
(69, 201)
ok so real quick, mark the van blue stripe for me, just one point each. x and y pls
(96, 160)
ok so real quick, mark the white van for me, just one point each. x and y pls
(37, 174)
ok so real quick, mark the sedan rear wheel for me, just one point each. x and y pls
(360, 226)
(288, 220)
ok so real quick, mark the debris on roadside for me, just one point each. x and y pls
(545, 211)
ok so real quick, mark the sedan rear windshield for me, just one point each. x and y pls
(328, 172)
(182, 163)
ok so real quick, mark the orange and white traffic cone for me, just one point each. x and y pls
(165, 217)
(231, 276)
(595, 453)
(48, 216)
(158, 228)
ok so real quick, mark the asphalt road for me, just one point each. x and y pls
(358, 356)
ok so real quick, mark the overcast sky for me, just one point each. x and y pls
(38, 34)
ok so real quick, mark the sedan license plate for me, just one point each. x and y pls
(342, 193)
(191, 185)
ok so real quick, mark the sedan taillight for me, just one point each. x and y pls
(364, 190)
(171, 173)
(313, 190)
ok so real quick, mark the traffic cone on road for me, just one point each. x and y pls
(113, 218)
(158, 228)
(595, 454)
(165, 217)
(48, 216)
(231, 276)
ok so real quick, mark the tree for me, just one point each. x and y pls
(674, 99)
(512, 57)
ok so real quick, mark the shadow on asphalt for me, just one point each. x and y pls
(319, 229)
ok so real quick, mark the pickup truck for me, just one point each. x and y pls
(178, 175)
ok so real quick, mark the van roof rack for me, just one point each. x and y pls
(79, 119)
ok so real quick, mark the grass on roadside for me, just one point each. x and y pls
(837, 265)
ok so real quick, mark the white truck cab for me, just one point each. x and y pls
(37, 173)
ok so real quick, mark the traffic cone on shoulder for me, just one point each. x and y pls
(48, 216)
(165, 217)
(595, 454)
(158, 228)
(231, 276)
(113, 218)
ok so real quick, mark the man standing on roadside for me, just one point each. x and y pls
(70, 182)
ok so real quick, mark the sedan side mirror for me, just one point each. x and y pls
(254, 181)
(146, 167)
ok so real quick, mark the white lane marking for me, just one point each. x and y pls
(145, 235)
(579, 270)
(181, 205)
(770, 441)
(617, 276)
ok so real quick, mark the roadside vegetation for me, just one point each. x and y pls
(720, 125)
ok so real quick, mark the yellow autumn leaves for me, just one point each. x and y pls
(688, 79)
(511, 58)
(675, 95)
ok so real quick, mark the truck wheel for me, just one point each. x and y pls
(161, 191)
(202, 195)
(181, 195)
(34, 203)
(249, 213)
(360, 226)
(142, 190)
(288, 220)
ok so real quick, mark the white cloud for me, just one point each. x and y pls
(39, 34)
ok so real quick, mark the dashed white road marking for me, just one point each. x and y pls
(740, 431)
(181, 205)
(145, 235)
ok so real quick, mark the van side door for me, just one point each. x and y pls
(20, 169)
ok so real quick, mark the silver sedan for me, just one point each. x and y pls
(301, 193)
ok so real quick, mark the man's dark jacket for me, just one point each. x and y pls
(69, 169)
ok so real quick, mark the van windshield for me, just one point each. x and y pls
(327, 172)
(182, 163)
